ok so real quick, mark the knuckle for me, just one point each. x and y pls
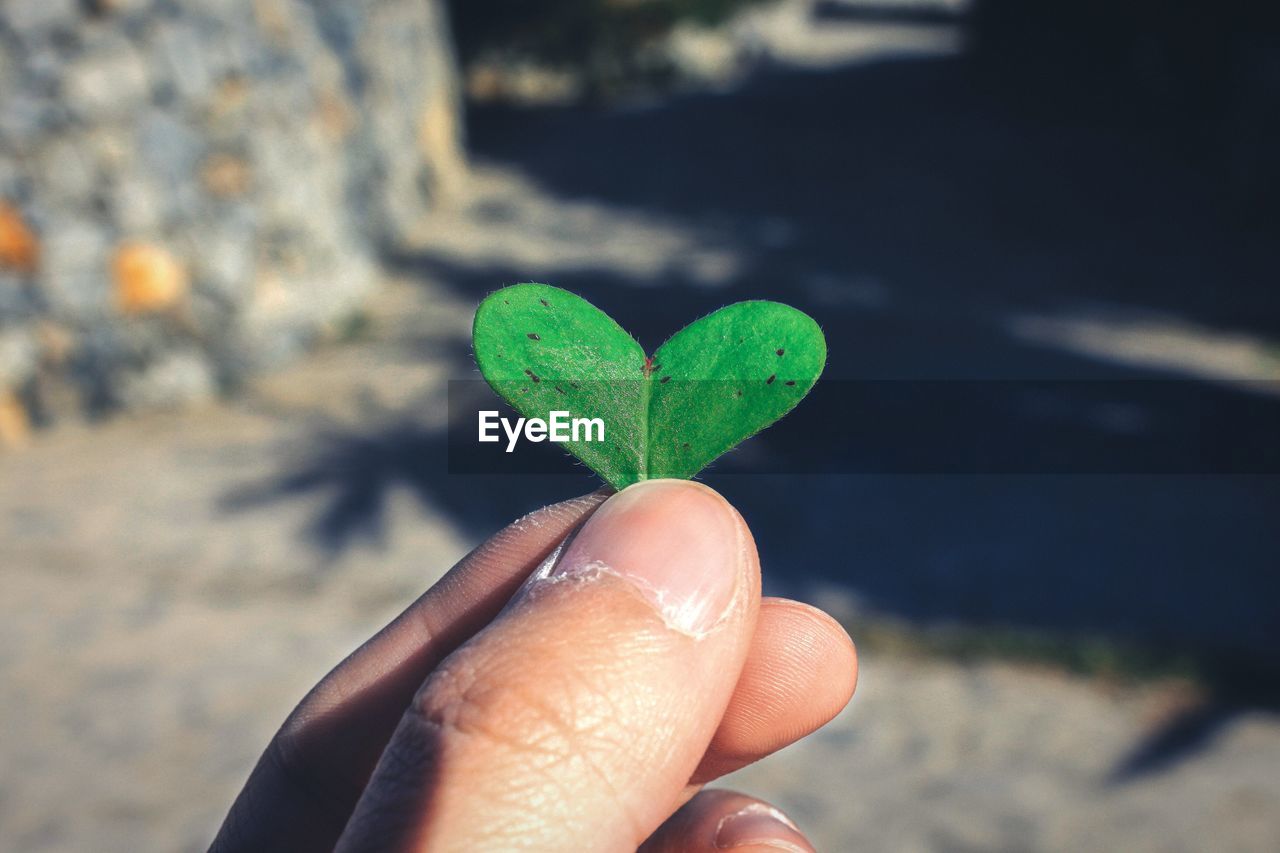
(476, 696)
(298, 771)
(561, 723)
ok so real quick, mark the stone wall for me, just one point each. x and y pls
(192, 191)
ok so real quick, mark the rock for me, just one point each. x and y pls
(44, 69)
(17, 357)
(147, 279)
(15, 424)
(19, 248)
(16, 304)
(32, 19)
(111, 83)
(178, 378)
(225, 264)
(404, 89)
(139, 205)
(210, 181)
(56, 344)
(184, 58)
(24, 118)
(112, 7)
(225, 175)
(65, 172)
(72, 278)
(169, 148)
(13, 182)
(17, 365)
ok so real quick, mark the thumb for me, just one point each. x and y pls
(575, 719)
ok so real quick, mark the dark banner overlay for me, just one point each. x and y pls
(948, 427)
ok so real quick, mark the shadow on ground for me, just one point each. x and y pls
(920, 214)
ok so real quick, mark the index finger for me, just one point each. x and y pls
(306, 784)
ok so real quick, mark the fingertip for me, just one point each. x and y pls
(680, 545)
(800, 672)
(727, 820)
(633, 634)
(825, 636)
(759, 826)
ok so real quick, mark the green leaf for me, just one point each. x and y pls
(724, 378)
(718, 381)
(544, 349)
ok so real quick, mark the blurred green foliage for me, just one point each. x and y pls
(604, 39)
(570, 31)
(1094, 656)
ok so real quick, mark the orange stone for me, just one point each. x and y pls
(225, 176)
(19, 248)
(147, 279)
(334, 116)
(15, 425)
(56, 343)
(229, 98)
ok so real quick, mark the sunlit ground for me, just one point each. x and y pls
(174, 583)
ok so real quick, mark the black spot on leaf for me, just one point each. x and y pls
(534, 336)
(769, 381)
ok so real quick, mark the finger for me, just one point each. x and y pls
(575, 719)
(800, 672)
(304, 787)
(719, 820)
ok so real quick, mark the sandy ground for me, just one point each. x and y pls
(163, 610)
(172, 584)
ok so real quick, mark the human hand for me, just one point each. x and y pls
(627, 671)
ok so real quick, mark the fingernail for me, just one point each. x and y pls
(679, 544)
(760, 825)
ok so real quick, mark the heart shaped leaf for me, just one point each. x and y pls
(719, 380)
(544, 349)
(725, 377)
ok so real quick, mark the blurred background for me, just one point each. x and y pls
(241, 242)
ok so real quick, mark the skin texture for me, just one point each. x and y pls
(538, 696)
